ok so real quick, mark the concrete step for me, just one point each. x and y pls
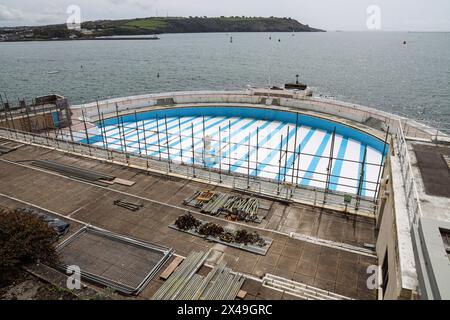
(299, 289)
(447, 159)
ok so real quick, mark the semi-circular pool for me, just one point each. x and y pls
(281, 145)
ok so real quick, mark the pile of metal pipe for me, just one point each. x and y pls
(6, 149)
(128, 205)
(215, 206)
(244, 208)
(182, 275)
(224, 286)
(185, 284)
(200, 198)
(207, 280)
(72, 171)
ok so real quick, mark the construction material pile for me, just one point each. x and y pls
(7, 146)
(128, 205)
(245, 237)
(241, 208)
(234, 207)
(186, 284)
(210, 229)
(187, 222)
(72, 171)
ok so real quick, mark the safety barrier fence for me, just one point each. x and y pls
(184, 148)
(282, 189)
(412, 199)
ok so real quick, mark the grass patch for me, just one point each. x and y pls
(147, 24)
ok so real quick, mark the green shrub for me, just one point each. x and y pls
(24, 239)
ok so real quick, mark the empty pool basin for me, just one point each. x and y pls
(283, 146)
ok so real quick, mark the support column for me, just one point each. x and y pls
(330, 166)
(167, 141)
(279, 166)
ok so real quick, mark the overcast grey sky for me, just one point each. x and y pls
(402, 15)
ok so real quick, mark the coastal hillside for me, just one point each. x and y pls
(197, 24)
(155, 25)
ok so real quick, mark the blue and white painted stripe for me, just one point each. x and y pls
(304, 134)
(321, 150)
(338, 164)
(345, 173)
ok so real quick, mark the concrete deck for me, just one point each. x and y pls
(323, 266)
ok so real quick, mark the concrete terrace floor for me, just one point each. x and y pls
(321, 266)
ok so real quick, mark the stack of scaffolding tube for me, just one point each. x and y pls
(72, 171)
(243, 208)
(185, 284)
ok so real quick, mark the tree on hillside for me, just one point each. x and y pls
(24, 239)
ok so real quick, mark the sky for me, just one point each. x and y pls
(345, 15)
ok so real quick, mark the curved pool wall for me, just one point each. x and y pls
(255, 113)
(356, 154)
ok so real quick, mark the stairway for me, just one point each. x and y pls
(299, 290)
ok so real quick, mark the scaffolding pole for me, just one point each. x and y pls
(298, 164)
(145, 138)
(295, 146)
(248, 160)
(181, 145)
(124, 136)
(103, 130)
(204, 143)
(279, 166)
(257, 151)
(13, 124)
(167, 142)
(137, 132)
(286, 156)
(4, 111)
(193, 150)
(118, 127)
(229, 146)
(85, 131)
(378, 186)
(28, 117)
(329, 167)
(220, 154)
(159, 141)
(99, 119)
(361, 180)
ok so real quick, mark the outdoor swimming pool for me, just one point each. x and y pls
(284, 146)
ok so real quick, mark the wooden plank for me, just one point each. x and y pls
(124, 182)
(107, 182)
(241, 294)
(171, 268)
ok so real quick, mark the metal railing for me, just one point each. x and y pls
(251, 184)
(412, 199)
(223, 156)
(438, 131)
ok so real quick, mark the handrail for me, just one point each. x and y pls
(412, 199)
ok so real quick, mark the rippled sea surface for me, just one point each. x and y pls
(373, 69)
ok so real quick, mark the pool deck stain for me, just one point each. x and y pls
(320, 266)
